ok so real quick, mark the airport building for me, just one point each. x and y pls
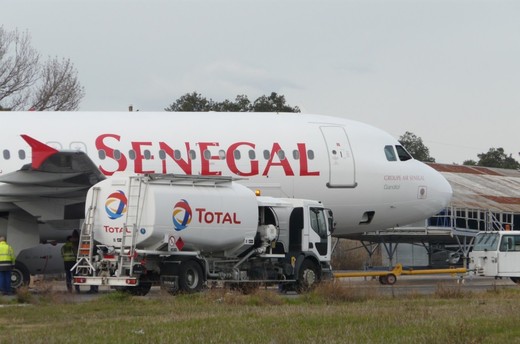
(484, 199)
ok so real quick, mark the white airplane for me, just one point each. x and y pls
(362, 173)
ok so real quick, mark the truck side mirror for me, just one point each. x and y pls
(332, 224)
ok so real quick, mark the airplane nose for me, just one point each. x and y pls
(439, 189)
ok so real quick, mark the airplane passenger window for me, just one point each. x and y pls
(117, 154)
(310, 154)
(222, 154)
(131, 154)
(236, 154)
(296, 154)
(177, 154)
(267, 154)
(7, 155)
(21, 154)
(147, 154)
(207, 154)
(162, 154)
(102, 154)
(281, 154)
(193, 154)
(390, 153)
(252, 154)
(403, 154)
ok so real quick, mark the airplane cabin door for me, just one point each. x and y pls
(342, 171)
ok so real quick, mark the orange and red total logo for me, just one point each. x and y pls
(181, 215)
(115, 205)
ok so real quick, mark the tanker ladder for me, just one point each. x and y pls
(390, 277)
(128, 252)
(83, 264)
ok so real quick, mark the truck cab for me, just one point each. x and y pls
(496, 254)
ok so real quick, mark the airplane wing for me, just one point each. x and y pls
(53, 186)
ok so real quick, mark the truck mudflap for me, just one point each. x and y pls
(108, 281)
(170, 284)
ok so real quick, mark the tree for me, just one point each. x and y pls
(191, 102)
(196, 102)
(495, 158)
(273, 103)
(26, 83)
(415, 146)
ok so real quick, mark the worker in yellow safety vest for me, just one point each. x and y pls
(69, 253)
(7, 260)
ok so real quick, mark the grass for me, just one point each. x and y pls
(333, 313)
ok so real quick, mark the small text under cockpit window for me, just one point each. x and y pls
(402, 153)
(390, 153)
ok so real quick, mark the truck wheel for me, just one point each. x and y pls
(19, 276)
(190, 277)
(140, 290)
(308, 276)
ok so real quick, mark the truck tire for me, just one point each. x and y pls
(20, 276)
(308, 276)
(190, 277)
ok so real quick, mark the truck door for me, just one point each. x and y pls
(342, 171)
(319, 234)
(509, 256)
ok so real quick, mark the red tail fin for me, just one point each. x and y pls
(40, 151)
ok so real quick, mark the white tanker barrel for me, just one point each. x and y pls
(205, 218)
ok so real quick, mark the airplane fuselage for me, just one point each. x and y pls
(353, 168)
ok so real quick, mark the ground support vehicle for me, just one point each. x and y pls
(181, 232)
(390, 276)
(496, 254)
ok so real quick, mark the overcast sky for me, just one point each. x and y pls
(448, 71)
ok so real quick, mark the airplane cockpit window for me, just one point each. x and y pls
(7, 154)
(131, 154)
(21, 154)
(237, 155)
(102, 154)
(402, 153)
(296, 154)
(390, 153)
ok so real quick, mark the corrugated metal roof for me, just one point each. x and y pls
(486, 188)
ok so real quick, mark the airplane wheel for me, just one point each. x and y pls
(190, 277)
(20, 276)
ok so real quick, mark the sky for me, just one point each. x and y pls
(447, 71)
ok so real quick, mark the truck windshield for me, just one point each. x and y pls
(486, 242)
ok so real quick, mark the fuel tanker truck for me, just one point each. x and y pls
(184, 232)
